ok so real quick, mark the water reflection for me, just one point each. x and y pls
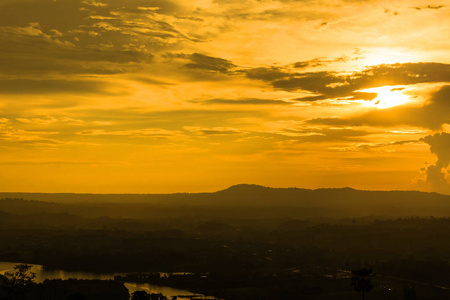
(151, 288)
(42, 274)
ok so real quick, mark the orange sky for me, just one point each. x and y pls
(134, 96)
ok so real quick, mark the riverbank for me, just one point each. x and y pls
(43, 273)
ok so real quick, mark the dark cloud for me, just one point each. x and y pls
(312, 98)
(363, 96)
(341, 134)
(64, 15)
(83, 37)
(32, 49)
(429, 7)
(138, 6)
(218, 132)
(352, 96)
(381, 145)
(332, 83)
(266, 74)
(150, 81)
(213, 130)
(335, 121)
(317, 82)
(123, 56)
(318, 62)
(131, 24)
(209, 63)
(434, 113)
(439, 145)
(201, 67)
(245, 101)
(28, 86)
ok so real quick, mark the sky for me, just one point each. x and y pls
(155, 96)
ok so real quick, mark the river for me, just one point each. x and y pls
(42, 274)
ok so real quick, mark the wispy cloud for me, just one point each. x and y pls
(244, 101)
(279, 87)
(213, 130)
(154, 133)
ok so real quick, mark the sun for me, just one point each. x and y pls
(388, 96)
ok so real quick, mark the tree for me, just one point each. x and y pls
(361, 281)
(17, 283)
(409, 293)
(140, 295)
(76, 296)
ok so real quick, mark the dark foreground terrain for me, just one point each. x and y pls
(246, 242)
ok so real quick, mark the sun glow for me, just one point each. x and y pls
(388, 96)
(380, 56)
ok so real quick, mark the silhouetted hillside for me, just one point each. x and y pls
(249, 240)
(256, 199)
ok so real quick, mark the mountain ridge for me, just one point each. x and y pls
(341, 201)
(235, 187)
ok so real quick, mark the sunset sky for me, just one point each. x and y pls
(149, 96)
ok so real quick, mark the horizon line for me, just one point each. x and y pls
(229, 187)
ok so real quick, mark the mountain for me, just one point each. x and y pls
(326, 202)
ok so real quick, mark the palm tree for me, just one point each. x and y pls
(361, 281)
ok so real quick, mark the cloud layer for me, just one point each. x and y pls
(171, 95)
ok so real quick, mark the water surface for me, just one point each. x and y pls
(42, 274)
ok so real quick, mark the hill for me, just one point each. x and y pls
(248, 198)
